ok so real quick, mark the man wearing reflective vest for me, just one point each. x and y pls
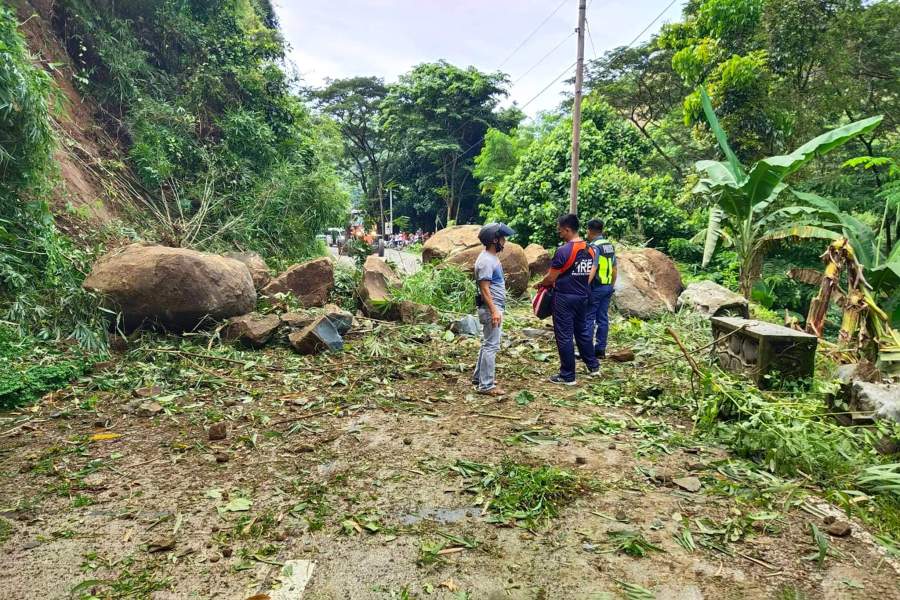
(603, 281)
(569, 277)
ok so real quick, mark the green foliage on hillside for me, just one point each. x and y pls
(196, 92)
(39, 268)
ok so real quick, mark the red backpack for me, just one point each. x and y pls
(542, 304)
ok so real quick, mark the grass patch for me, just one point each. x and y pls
(5, 530)
(447, 288)
(519, 494)
(29, 369)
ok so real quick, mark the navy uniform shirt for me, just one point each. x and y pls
(573, 282)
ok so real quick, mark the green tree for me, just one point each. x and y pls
(354, 105)
(436, 117)
(534, 193)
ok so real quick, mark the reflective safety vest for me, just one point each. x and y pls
(606, 260)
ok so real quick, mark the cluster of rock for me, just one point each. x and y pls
(180, 289)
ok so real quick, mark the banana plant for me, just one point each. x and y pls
(745, 200)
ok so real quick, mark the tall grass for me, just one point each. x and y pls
(446, 288)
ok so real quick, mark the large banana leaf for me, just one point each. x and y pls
(767, 173)
(861, 236)
(802, 232)
(715, 174)
(737, 170)
(713, 233)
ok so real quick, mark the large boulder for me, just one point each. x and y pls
(257, 266)
(375, 285)
(175, 288)
(450, 240)
(515, 265)
(713, 300)
(538, 259)
(253, 329)
(648, 283)
(310, 282)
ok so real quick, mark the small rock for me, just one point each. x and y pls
(536, 333)
(218, 431)
(623, 355)
(829, 519)
(467, 325)
(227, 551)
(611, 446)
(221, 457)
(839, 529)
(214, 558)
(691, 484)
(149, 409)
(31, 545)
(103, 365)
(318, 336)
(230, 402)
(147, 392)
(662, 476)
(161, 545)
(621, 515)
(580, 460)
(407, 441)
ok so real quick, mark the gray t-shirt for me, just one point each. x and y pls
(488, 267)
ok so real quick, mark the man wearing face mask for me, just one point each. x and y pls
(491, 301)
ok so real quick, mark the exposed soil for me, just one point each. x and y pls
(347, 461)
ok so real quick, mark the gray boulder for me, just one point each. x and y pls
(648, 283)
(882, 400)
(713, 300)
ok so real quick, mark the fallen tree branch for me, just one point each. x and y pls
(684, 351)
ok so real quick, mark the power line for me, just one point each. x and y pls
(543, 58)
(644, 30)
(570, 67)
(591, 38)
(547, 87)
(532, 34)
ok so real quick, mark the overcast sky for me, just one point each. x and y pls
(343, 38)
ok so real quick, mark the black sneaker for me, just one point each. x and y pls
(594, 372)
(559, 380)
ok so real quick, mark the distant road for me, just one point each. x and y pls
(407, 262)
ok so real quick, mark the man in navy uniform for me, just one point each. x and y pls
(569, 275)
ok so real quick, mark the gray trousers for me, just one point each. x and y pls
(487, 356)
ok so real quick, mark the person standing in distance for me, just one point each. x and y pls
(603, 281)
(491, 301)
(569, 275)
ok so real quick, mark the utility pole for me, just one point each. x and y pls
(576, 109)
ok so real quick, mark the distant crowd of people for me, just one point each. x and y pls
(579, 286)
